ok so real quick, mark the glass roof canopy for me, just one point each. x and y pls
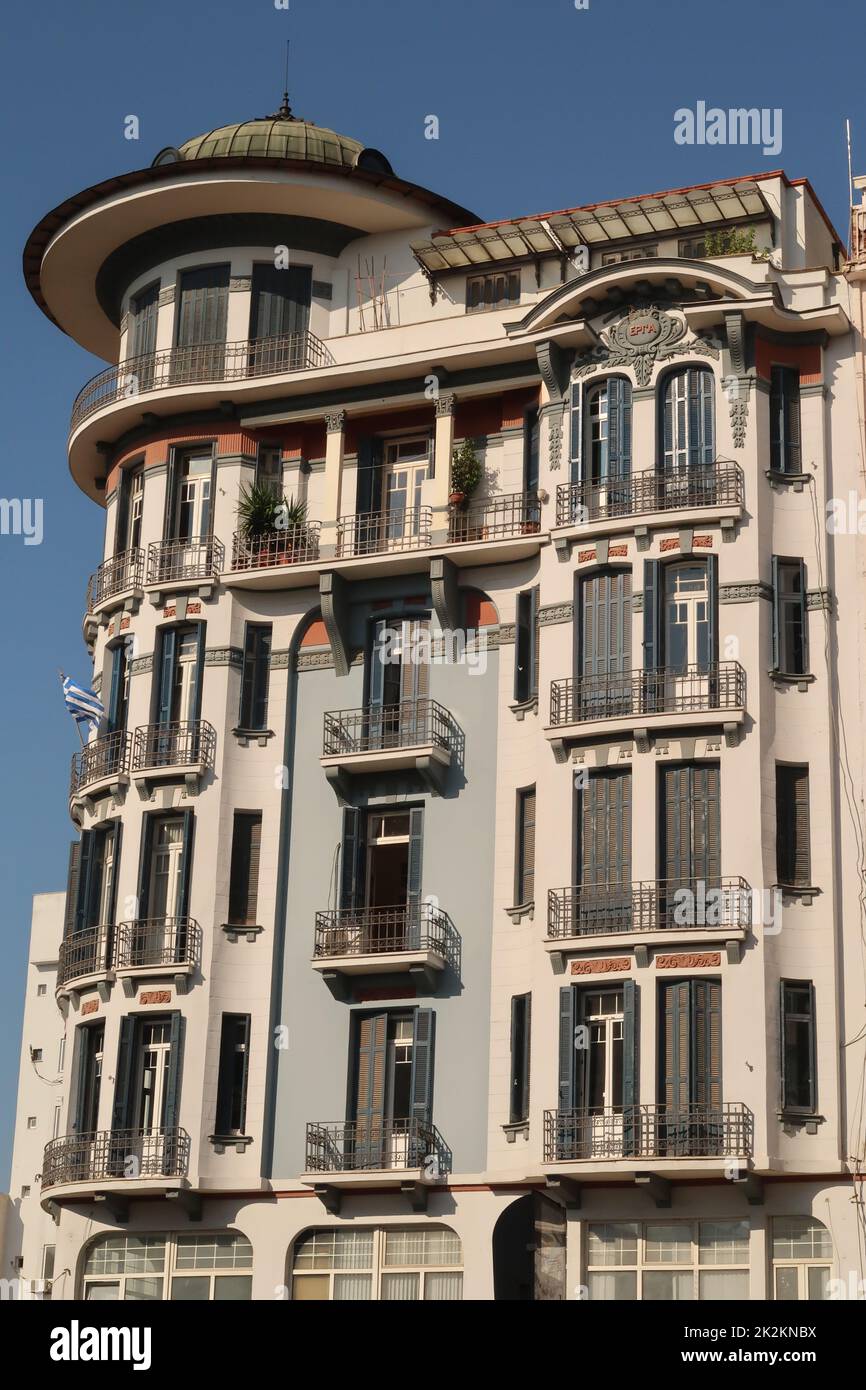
(558, 233)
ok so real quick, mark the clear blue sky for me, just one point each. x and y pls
(540, 106)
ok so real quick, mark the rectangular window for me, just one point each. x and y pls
(793, 866)
(790, 650)
(785, 451)
(530, 450)
(244, 881)
(269, 468)
(524, 885)
(692, 248)
(256, 676)
(799, 1078)
(492, 291)
(48, 1261)
(521, 1010)
(630, 253)
(664, 1261)
(526, 647)
(231, 1111)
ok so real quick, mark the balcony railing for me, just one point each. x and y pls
(157, 942)
(296, 545)
(720, 485)
(379, 728)
(649, 1131)
(171, 561)
(718, 686)
(381, 533)
(104, 757)
(351, 1146)
(185, 743)
(373, 931)
(858, 234)
(498, 518)
(120, 1153)
(85, 952)
(115, 576)
(658, 905)
(198, 364)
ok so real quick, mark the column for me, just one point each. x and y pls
(443, 447)
(335, 426)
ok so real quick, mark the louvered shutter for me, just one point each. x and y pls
(280, 301)
(619, 427)
(167, 659)
(203, 308)
(630, 1070)
(416, 849)
(79, 1078)
(422, 1066)
(652, 615)
(121, 521)
(122, 1110)
(186, 862)
(145, 854)
(706, 1084)
(676, 1007)
(116, 833)
(705, 849)
(713, 608)
(200, 630)
(351, 859)
(370, 1069)
(171, 1106)
(530, 451)
(415, 672)
(605, 629)
(802, 858)
(72, 880)
(793, 450)
(145, 308)
(525, 885)
(569, 1057)
(576, 433)
(243, 884)
(84, 903)
(777, 613)
(116, 703)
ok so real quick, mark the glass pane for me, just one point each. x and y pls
(723, 1242)
(668, 1244)
(613, 1244)
(439, 1287)
(659, 1286)
(126, 1255)
(402, 1287)
(190, 1288)
(335, 1250)
(724, 1284)
(787, 1283)
(421, 1247)
(142, 1290)
(310, 1288)
(800, 1238)
(213, 1252)
(610, 1287)
(235, 1288)
(353, 1288)
(817, 1279)
(101, 1293)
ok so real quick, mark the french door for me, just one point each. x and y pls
(393, 1087)
(176, 738)
(407, 466)
(602, 1098)
(279, 317)
(144, 314)
(690, 1069)
(603, 900)
(690, 832)
(202, 316)
(688, 436)
(399, 682)
(160, 936)
(151, 1080)
(687, 635)
(603, 686)
(194, 498)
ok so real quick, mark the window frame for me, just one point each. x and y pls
(791, 881)
(641, 1265)
(787, 1014)
(521, 1053)
(783, 600)
(255, 678)
(786, 424)
(521, 874)
(801, 1263)
(483, 304)
(378, 1268)
(171, 1242)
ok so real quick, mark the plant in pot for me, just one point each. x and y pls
(273, 527)
(291, 522)
(465, 473)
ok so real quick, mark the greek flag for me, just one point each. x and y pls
(84, 705)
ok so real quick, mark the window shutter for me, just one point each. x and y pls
(675, 1088)
(568, 1054)
(803, 617)
(167, 657)
(530, 450)
(115, 703)
(793, 450)
(629, 1062)
(415, 672)
(376, 681)
(171, 498)
(369, 493)
(203, 309)
(78, 1074)
(85, 880)
(175, 1066)
(121, 1114)
(422, 1066)
(652, 615)
(351, 859)
(280, 300)
(200, 631)
(777, 614)
(777, 419)
(117, 835)
(416, 847)
(186, 861)
(576, 433)
(708, 417)
(121, 518)
(802, 865)
(521, 1016)
(524, 888)
(534, 641)
(72, 878)
(713, 607)
(372, 1039)
(145, 307)
(706, 1086)
(522, 648)
(244, 878)
(144, 857)
(234, 1031)
(619, 427)
(668, 405)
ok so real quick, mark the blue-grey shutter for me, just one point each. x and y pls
(530, 450)
(706, 1031)
(377, 666)
(118, 662)
(576, 433)
(619, 427)
(369, 1088)
(422, 1066)
(351, 859)
(568, 1054)
(203, 305)
(143, 322)
(416, 848)
(669, 431)
(79, 1076)
(72, 881)
(170, 510)
(279, 301)
(85, 881)
(369, 493)
(117, 835)
(708, 417)
(713, 607)
(186, 861)
(630, 1071)
(121, 520)
(521, 1031)
(783, 1051)
(121, 1115)
(167, 659)
(803, 615)
(652, 615)
(676, 1047)
(171, 1112)
(144, 857)
(701, 417)
(777, 614)
(793, 455)
(201, 636)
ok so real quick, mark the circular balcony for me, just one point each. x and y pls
(115, 1164)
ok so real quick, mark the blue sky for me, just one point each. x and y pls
(540, 106)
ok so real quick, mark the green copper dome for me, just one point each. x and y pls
(280, 136)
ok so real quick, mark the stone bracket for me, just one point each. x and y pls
(641, 956)
(732, 735)
(432, 773)
(181, 984)
(444, 587)
(417, 1192)
(188, 1201)
(338, 781)
(557, 960)
(117, 1203)
(659, 1188)
(424, 975)
(733, 952)
(337, 984)
(642, 740)
(566, 1189)
(554, 368)
(330, 1197)
(335, 615)
(753, 1186)
(560, 752)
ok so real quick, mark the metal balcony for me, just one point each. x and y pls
(160, 943)
(649, 1132)
(119, 574)
(497, 518)
(103, 760)
(352, 1146)
(718, 686)
(85, 953)
(659, 905)
(199, 364)
(185, 744)
(384, 533)
(376, 939)
(172, 562)
(721, 486)
(115, 1154)
(296, 545)
(379, 728)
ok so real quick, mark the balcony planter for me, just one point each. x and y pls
(457, 499)
(465, 473)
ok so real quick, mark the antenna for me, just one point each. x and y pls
(850, 184)
(286, 83)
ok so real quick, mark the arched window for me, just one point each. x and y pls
(688, 433)
(397, 1264)
(601, 431)
(802, 1258)
(180, 1268)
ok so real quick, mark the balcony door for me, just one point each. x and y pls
(144, 313)
(603, 645)
(686, 635)
(688, 443)
(689, 834)
(598, 1072)
(393, 1088)
(406, 469)
(118, 698)
(146, 1095)
(91, 1043)
(279, 318)
(181, 669)
(158, 935)
(151, 1077)
(690, 1068)
(192, 514)
(202, 316)
(88, 947)
(603, 900)
(130, 506)
(399, 682)
(381, 879)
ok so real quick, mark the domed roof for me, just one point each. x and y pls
(279, 136)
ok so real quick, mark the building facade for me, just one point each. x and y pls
(466, 896)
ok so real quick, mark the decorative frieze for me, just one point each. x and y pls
(141, 665)
(280, 659)
(641, 337)
(507, 633)
(744, 593)
(224, 656)
(689, 960)
(166, 296)
(612, 965)
(556, 613)
(820, 598)
(240, 283)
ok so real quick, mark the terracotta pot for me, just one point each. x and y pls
(457, 499)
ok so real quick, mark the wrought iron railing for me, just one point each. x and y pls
(199, 558)
(720, 485)
(649, 1131)
(296, 545)
(198, 364)
(87, 952)
(348, 1146)
(594, 909)
(718, 685)
(379, 728)
(184, 743)
(157, 941)
(377, 533)
(116, 575)
(104, 757)
(374, 931)
(118, 1153)
(497, 518)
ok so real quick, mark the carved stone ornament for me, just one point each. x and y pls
(554, 441)
(640, 337)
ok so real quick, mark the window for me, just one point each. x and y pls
(790, 648)
(690, 1064)
(530, 450)
(392, 1090)
(201, 318)
(55, 1126)
(269, 468)
(231, 1108)
(25, 1191)
(668, 1261)
(524, 878)
(36, 1054)
(143, 318)
(256, 675)
(48, 1261)
(793, 866)
(40, 991)
(31, 1121)
(90, 1041)
(398, 1264)
(692, 248)
(688, 440)
(526, 650)
(799, 1070)
(785, 451)
(244, 881)
(61, 1054)
(521, 1012)
(802, 1259)
(600, 435)
(180, 1267)
(492, 291)
(630, 253)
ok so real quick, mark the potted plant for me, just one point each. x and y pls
(291, 521)
(263, 514)
(465, 473)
